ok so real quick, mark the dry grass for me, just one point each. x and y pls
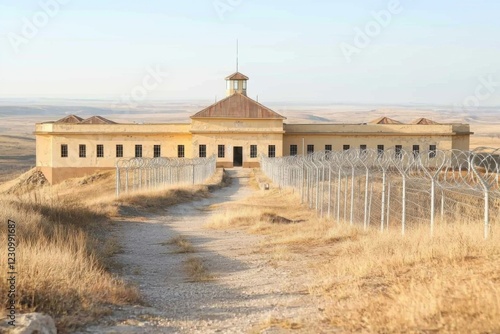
(65, 248)
(181, 243)
(196, 270)
(279, 323)
(382, 282)
(61, 262)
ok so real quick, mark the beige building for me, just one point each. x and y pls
(237, 130)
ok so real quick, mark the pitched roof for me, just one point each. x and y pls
(97, 120)
(71, 119)
(385, 120)
(424, 121)
(237, 76)
(237, 106)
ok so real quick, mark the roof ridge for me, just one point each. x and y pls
(242, 104)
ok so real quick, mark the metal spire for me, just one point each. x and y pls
(237, 55)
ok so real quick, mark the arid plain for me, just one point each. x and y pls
(17, 144)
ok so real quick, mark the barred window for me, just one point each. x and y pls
(64, 151)
(138, 151)
(380, 150)
(202, 151)
(157, 151)
(362, 148)
(221, 151)
(399, 151)
(271, 151)
(100, 151)
(180, 151)
(293, 150)
(253, 151)
(310, 149)
(328, 148)
(347, 147)
(432, 151)
(82, 152)
(119, 151)
(416, 150)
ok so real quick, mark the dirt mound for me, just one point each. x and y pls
(35, 179)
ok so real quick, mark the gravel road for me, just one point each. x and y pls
(246, 293)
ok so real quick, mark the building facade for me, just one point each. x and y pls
(237, 130)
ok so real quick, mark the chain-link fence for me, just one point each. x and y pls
(395, 188)
(149, 174)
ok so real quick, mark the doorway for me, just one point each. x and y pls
(237, 156)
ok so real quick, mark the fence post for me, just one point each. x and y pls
(118, 183)
(382, 214)
(433, 204)
(403, 204)
(367, 179)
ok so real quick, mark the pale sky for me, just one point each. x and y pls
(436, 52)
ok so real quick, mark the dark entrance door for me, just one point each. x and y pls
(237, 156)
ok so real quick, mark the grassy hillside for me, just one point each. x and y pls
(380, 282)
(65, 245)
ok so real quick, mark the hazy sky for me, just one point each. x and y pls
(439, 52)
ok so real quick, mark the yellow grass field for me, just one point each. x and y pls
(64, 245)
(376, 282)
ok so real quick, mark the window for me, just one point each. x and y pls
(253, 151)
(100, 151)
(82, 151)
(221, 151)
(138, 151)
(235, 84)
(362, 148)
(432, 151)
(380, 150)
(310, 149)
(347, 147)
(399, 153)
(245, 84)
(416, 150)
(293, 150)
(64, 151)
(271, 151)
(328, 148)
(228, 84)
(157, 151)
(119, 151)
(202, 151)
(180, 151)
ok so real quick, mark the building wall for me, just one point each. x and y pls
(228, 132)
(244, 140)
(443, 136)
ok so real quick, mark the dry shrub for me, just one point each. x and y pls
(196, 270)
(182, 244)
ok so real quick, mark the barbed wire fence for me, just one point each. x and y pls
(395, 188)
(156, 173)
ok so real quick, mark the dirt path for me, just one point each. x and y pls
(244, 296)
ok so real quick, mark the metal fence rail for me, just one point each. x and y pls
(395, 187)
(149, 174)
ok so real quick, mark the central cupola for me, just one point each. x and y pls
(236, 83)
